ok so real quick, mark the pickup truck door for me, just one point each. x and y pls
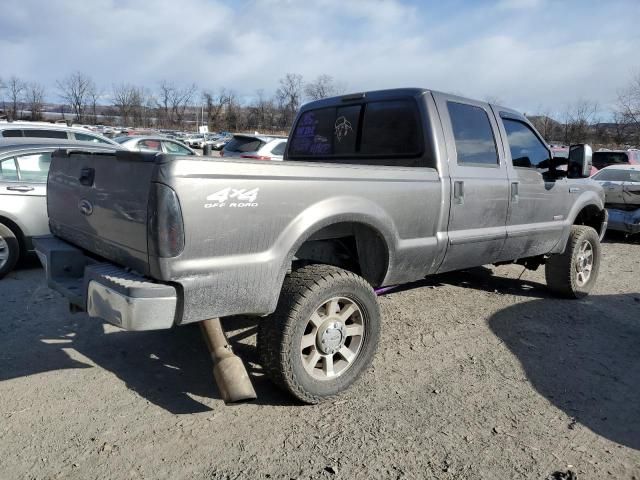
(539, 203)
(479, 183)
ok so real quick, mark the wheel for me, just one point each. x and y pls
(9, 250)
(323, 334)
(574, 273)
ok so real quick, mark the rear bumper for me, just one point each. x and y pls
(104, 290)
(624, 221)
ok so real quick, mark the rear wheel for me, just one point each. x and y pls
(9, 250)
(573, 273)
(323, 334)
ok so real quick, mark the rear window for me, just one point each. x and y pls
(375, 133)
(45, 134)
(604, 159)
(244, 144)
(12, 133)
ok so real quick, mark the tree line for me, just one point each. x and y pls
(168, 105)
(173, 106)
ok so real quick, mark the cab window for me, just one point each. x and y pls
(527, 150)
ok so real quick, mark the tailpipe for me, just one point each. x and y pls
(228, 370)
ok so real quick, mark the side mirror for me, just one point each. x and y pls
(580, 160)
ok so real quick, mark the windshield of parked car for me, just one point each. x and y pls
(617, 175)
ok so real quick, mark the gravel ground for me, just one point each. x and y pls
(479, 375)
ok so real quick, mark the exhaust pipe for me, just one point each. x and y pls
(228, 370)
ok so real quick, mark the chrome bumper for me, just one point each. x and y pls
(104, 290)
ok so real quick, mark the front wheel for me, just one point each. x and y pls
(323, 334)
(573, 273)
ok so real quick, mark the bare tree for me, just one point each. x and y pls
(627, 114)
(579, 118)
(261, 113)
(289, 96)
(93, 97)
(322, 87)
(216, 107)
(75, 91)
(173, 102)
(545, 125)
(16, 88)
(35, 94)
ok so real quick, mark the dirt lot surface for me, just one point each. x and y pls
(479, 375)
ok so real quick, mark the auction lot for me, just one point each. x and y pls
(479, 375)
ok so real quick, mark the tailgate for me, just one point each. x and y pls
(98, 201)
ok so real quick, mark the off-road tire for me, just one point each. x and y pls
(280, 334)
(561, 270)
(12, 249)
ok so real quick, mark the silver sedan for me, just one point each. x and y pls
(24, 165)
(155, 144)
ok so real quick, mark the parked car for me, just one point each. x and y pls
(154, 144)
(24, 164)
(376, 189)
(621, 184)
(257, 147)
(54, 131)
(195, 140)
(606, 158)
(220, 142)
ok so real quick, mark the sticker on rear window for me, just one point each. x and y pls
(342, 127)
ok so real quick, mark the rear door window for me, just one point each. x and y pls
(244, 144)
(41, 133)
(34, 167)
(526, 148)
(474, 139)
(149, 146)
(8, 170)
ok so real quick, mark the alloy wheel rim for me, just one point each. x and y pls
(333, 338)
(4, 252)
(584, 263)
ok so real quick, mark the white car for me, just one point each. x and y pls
(257, 147)
(50, 130)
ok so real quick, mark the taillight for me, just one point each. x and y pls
(256, 157)
(165, 227)
(222, 153)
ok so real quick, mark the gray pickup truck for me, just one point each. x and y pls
(376, 189)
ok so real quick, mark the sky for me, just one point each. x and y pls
(532, 55)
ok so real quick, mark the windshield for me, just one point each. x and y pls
(121, 139)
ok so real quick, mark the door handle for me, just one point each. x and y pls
(515, 192)
(87, 175)
(458, 192)
(20, 188)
